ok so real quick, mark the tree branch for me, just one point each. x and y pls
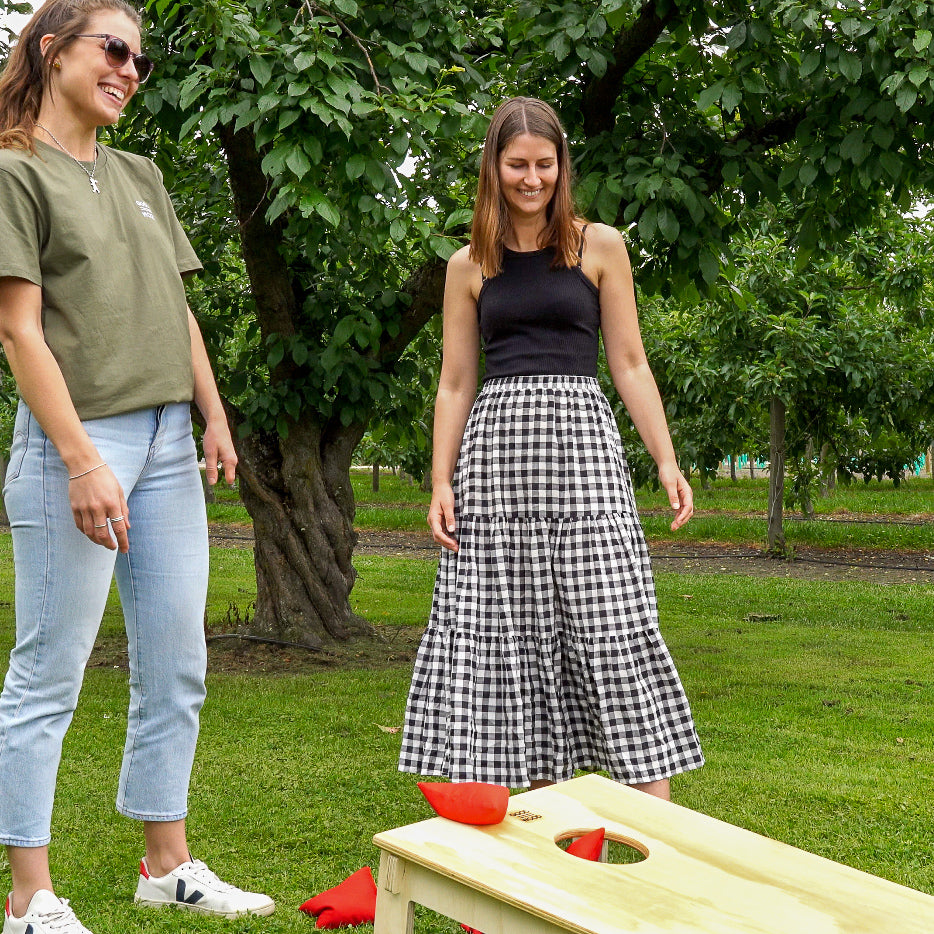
(313, 8)
(631, 44)
(270, 279)
(426, 286)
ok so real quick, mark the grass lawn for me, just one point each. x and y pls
(814, 701)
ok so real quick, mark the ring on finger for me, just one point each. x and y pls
(117, 519)
(104, 526)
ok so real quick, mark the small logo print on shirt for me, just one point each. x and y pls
(145, 210)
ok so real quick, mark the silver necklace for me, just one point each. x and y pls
(89, 172)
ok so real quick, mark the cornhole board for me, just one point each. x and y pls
(700, 875)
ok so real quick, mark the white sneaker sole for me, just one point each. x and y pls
(263, 910)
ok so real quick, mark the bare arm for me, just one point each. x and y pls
(217, 442)
(629, 367)
(95, 494)
(457, 390)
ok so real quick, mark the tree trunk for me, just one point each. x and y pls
(376, 477)
(752, 466)
(298, 492)
(297, 488)
(807, 505)
(733, 467)
(828, 471)
(776, 534)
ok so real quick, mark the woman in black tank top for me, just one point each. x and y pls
(542, 654)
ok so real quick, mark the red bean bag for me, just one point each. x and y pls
(467, 802)
(352, 902)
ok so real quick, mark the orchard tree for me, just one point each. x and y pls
(837, 350)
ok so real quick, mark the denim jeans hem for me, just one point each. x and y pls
(26, 843)
(155, 818)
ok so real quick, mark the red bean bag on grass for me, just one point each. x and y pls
(352, 902)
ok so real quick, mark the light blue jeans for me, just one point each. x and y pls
(62, 583)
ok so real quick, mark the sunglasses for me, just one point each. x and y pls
(118, 53)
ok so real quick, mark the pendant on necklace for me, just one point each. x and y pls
(94, 186)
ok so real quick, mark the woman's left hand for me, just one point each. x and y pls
(219, 452)
(680, 495)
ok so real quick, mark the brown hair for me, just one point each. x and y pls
(491, 223)
(28, 71)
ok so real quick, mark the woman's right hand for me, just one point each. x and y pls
(441, 516)
(97, 497)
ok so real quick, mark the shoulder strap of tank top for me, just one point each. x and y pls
(580, 252)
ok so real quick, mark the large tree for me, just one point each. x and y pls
(339, 128)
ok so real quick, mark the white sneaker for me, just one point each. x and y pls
(192, 885)
(46, 914)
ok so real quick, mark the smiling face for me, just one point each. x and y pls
(528, 174)
(92, 90)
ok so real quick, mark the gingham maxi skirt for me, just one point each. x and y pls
(542, 653)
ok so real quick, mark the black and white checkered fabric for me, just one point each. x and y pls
(542, 653)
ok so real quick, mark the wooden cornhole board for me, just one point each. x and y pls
(701, 876)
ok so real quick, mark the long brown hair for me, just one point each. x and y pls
(491, 223)
(28, 72)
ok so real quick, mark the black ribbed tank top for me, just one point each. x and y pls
(539, 321)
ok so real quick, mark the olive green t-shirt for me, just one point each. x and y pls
(110, 265)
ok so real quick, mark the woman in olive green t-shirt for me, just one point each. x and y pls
(103, 477)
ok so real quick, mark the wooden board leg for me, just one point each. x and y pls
(395, 912)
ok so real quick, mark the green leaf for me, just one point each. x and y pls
(419, 62)
(304, 60)
(918, 75)
(731, 98)
(736, 36)
(262, 69)
(851, 67)
(810, 62)
(298, 162)
(892, 163)
(709, 266)
(648, 223)
(922, 40)
(458, 217)
(906, 97)
(443, 247)
(275, 355)
(356, 166)
(883, 136)
(668, 224)
(328, 211)
(344, 330)
(807, 175)
(288, 117)
(607, 205)
(709, 96)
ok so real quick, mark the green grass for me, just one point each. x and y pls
(821, 534)
(392, 488)
(914, 496)
(814, 702)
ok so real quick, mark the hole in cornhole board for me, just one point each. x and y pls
(619, 850)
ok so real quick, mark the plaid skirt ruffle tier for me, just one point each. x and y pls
(542, 653)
